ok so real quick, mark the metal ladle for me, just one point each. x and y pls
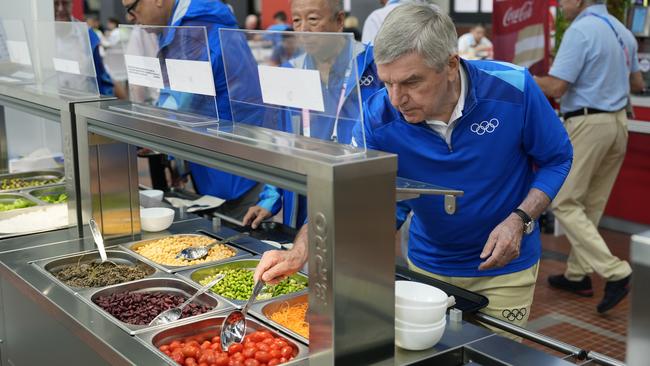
(193, 253)
(233, 328)
(99, 240)
(173, 314)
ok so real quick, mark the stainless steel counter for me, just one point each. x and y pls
(39, 312)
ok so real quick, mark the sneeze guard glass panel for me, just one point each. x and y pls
(300, 83)
(170, 75)
(65, 60)
(16, 65)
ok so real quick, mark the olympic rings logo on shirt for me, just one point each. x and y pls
(484, 126)
(366, 80)
(514, 314)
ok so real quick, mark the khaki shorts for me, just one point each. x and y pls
(510, 295)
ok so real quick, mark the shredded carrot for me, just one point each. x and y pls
(293, 317)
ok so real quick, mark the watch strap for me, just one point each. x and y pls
(524, 216)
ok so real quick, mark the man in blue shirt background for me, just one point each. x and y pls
(239, 193)
(592, 74)
(321, 16)
(478, 126)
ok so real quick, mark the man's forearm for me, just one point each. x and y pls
(535, 203)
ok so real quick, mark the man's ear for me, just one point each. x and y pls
(454, 64)
(340, 20)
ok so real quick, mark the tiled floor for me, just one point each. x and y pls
(573, 319)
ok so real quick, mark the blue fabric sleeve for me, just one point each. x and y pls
(545, 140)
(571, 56)
(270, 199)
(104, 82)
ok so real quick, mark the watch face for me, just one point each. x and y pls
(528, 227)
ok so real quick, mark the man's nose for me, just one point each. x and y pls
(397, 97)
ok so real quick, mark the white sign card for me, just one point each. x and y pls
(67, 66)
(144, 71)
(190, 76)
(288, 87)
(19, 52)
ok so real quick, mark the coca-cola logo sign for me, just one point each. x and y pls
(517, 15)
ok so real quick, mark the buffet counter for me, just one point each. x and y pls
(69, 329)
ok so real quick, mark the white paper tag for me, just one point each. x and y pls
(19, 52)
(67, 66)
(291, 87)
(190, 76)
(144, 71)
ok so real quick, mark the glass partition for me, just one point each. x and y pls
(306, 85)
(16, 65)
(65, 59)
(169, 71)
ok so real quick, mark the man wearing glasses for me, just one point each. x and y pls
(239, 193)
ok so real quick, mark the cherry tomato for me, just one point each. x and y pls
(287, 351)
(280, 343)
(216, 347)
(190, 361)
(234, 348)
(257, 336)
(283, 359)
(203, 364)
(175, 344)
(191, 351)
(249, 352)
(275, 353)
(269, 341)
(164, 348)
(222, 360)
(251, 362)
(263, 347)
(273, 362)
(235, 363)
(216, 339)
(193, 342)
(262, 356)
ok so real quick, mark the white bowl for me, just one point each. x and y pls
(420, 315)
(416, 294)
(421, 326)
(151, 197)
(156, 219)
(419, 339)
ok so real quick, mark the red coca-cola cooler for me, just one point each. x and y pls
(520, 33)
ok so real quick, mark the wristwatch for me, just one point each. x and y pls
(529, 223)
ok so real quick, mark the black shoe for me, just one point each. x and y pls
(615, 291)
(581, 288)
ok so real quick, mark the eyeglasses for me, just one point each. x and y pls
(131, 8)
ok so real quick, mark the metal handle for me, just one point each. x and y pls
(578, 353)
(230, 238)
(203, 289)
(256, 291)
(99, 240)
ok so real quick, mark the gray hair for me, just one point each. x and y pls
(336, 6)
(419, 28)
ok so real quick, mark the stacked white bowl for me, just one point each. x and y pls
(420, 314)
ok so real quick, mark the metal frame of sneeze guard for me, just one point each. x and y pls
(351, 209)
(276, 81)
(170, 75)
(16, 62)
(65, 60)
